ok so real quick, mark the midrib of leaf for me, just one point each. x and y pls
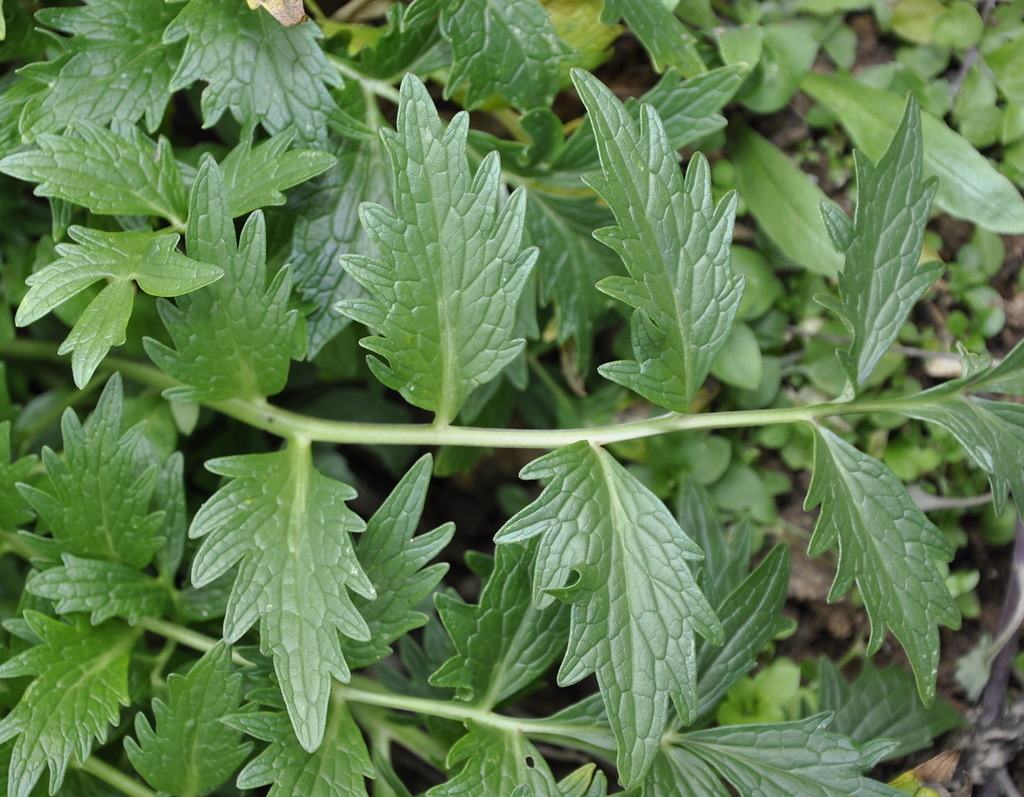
(490, 700)
(298, 449)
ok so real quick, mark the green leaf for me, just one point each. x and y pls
(587, 781)
(969, 187)
(254, 177)
(14, 510)
(880, 704)
(610, 548)
(105, 589)
(888, 546)
(504, 47)
(96, 505)
(777, 760)
(675, 244)
(882, 280)
(665, 37)
(256, 68)
(784, 202)
(191, 752)
(233, 339)
(497, 762)
(107, 171)
(338, 769)
(505, 642)
(115, 66)
(148, 259)
(1007, 376)
(394, 559)
(81, 682)
(446, 289)
(288, 528)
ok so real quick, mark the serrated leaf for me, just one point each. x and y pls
(505, 642)
(394, 559)
(115, 66)
(105, 589)
(587, 781)
(14, 510)
(257, 69)
(287, 527)
(191, 751)
(81, 682)
(338, 769)
(882, 280)
(778, 760)
(507, 48)
(446, 289)
(888, 546)
(675, 244)
(147, 259)
(1007, 376)
(109, 172)
(880, 704)
(663, 35)
(610, 548)
(235, 338)
(96, 505)
(254, 177)
(496, 762)
(784, 201)
(969, 187)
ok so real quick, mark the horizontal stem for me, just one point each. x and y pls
(101, 770)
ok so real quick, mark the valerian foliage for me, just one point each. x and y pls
(216, 573)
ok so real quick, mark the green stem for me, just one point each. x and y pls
(378, 87)
(187, 637)
(101, 770)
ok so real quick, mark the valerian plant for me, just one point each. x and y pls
(197, 600)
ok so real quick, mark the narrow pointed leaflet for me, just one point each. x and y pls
(610, 548)
(675, 243)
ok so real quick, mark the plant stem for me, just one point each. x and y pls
(114, 777)
(187, 637)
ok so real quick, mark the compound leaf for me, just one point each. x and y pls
(675, 244)
(505, 642)
(338, 769)
(116, 66)
(882, 279)
(610, 548)
(96, 505)
(233, 339)
(888, 546)
(393, 557)
(191, 751)
(81, 683)
(109, 172)
(287, 527)
(777, 760)
(445, 292)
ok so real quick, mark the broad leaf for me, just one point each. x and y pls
(97, 502)
(503, 47)
(1007, 376)
(778, 760)
(14, 509)
(287, 527)
(888, 546)
(395, 559)
(81, 682)
(124, 259)
(661, 32)
(118, 171)
(115, 66)
(338, 769)
(675, 244)
(235, 337)
(496, 762)
(882, 280)
(191, 751)
(505, 642)
(610, 548)
(451, 271)
(969, 187)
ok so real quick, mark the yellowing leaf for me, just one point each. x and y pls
(288, 12)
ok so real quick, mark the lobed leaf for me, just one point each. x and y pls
(663, 35)
(14, 509)
(610, 548)
(191, 751)
(675, 244)
(287, 527)
(444, 295)
(888, 546)
(81, 681)
(882, 280)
